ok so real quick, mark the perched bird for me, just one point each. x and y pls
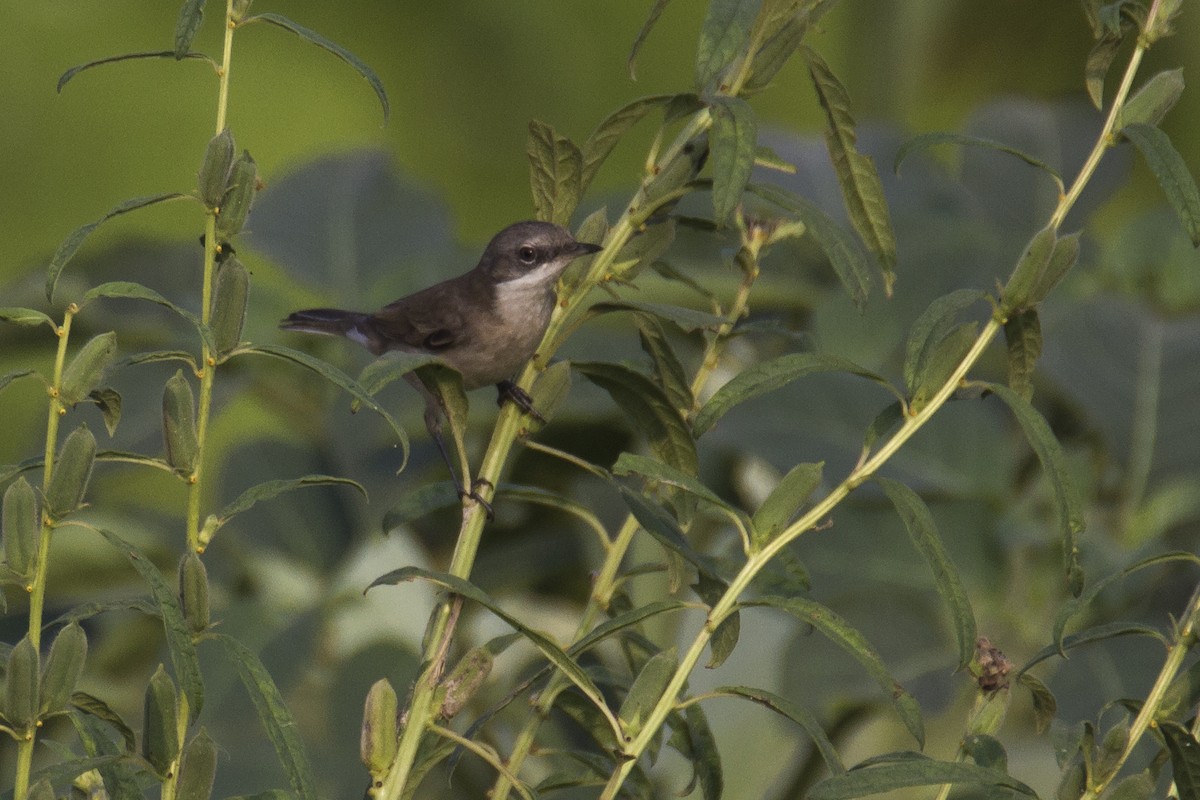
(485, 323)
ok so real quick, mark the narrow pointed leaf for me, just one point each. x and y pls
(923, 532)
(1153, 100)
(667, 367)
(26, 317)
(693, 738)
(797, 714)
(655, 12)
(838, 631)
(419, 502)
(624, 621)
(931, 327)
(786, 500)
(862, 190)
(940, 362)
(95, 707)
(732, 139)
(391, 367)
(656, 471)
(1044, 705)
(555, 173)
(687, 320)
(774, 53)
(73, 71)
(724, 33)
(649, 409)
(72, 243)
(8, 378)
(771, 375)
(647, 689)
(191, 16)
(1099, 59)
(912, 772)
(1185, 759)
(926, 140)
(270, 489)
(1054, 464)
(608, 133)
(179, 638)
(331, 47)
(86, 369)
(275, 718)
(1099, 633)
(1063, 257)
(1023, 335)
(662, 526)
(108, 400)
(1172, 174)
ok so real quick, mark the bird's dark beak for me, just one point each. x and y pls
(586, 249)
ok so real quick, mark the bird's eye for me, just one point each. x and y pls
(527, 254)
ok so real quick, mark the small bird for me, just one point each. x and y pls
(485, 323)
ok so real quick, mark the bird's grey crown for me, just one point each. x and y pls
(526, 247)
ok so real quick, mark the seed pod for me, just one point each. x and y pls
(160, 734)
(179, 424)
(229, 304)
(85, 370)
(378, 743)
(193, 592)
(468, 675)
(214, 170)
(235, 205)
(20, 526)
(90, 785)
(64, 665)
(21, 685)
(72, 472)
(197, 768)
(42, 790)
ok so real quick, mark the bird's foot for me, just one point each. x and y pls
(473, 494)
(518, 397)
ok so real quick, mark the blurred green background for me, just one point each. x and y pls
(357, 213)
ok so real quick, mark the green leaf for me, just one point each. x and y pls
(624, 620)
(861, 782)
(668, 369)
(270, 489)
(942, 359)
(731, 139)
(923, 532)
(95, 707)
(771, 375)
(862, 190)
(693, 738)
(72, 472)
(1172, 174)
(643, 249)
(391, 367)
(1023, 335)
(548, 648)
(844, 252)
(1185, 759)
(21, 528)
(687, 320)
(775, 51)
(26, 317)
(1064, 256)
(549, 391)
(1054, 464)
(72, 243)
(1099, 633)
(86, 369)
(1152, 102)
(1136, 787)
(656, 471)
(797, 714)
(331, 47)
(555, 173)
(155, 356)
(419, 502)
(663, 527)
(647, 689)
(655, 12)
(179, 638)
(8, 378)
(108, 400)
(604, 137)
(934, 324)
(887, 419)
(191, 15)
(64, 665)
(724, 33)
(649, 409)
(73, 71)
(785, 501)
(933, 139)
(1099, 59)
(337, 378)
(838, 631)
(535, 495)
(724, 639)
(1044, 704)
(273, 714)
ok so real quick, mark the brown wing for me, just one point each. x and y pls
(427, 320)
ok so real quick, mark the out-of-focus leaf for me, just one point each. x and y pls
(555, 173)
(668, 369)
(887, 419)
(935, 138)
(1099, 59)
(722, 37)
(650, 410)
(1023, 335)
(655, 12)
(191, 15)
(1064, 256)
(861, 782)
(419, 502)
(1172, 174)
(1050, 454)
(686, 319)
(73, 71)
(1153, 100)
(923, 532)
(771, 375)
(273, 714)
(732, 139)
(8, 378)
(270, 489)
(644, 248)
(197, 768)
(1099, 633)
(797, 714)
(693, 738)
(72, 243)
(160, 725)
(604, 138)
(1185, 759)
(986, 751)
(1135, 787)
(774, 52)
(26, 317)
(862, 190)
(1044, 704)
(841, 633)
(331, 47)
(21, 680)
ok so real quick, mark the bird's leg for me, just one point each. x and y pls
(507, 390)
(434, 411)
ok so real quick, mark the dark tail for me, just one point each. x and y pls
(330, 321)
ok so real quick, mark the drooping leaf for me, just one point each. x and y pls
(331, 47)
(663, 527)
(935, 138)
(722, 37)
(1023, 335)
(655, 12)
(73, 71)
(1185, 759)
(274, 715)
(841, 633)
(555, 173)
(95, 707)
(1172, 174)
(686, 319)
(604, 138)
(667, 367)
(191, 15)
(270, 489)
(846, 256)
(862, 190)
(623, 621)
(899, 774)
(179, 638)
(26, 317)
(1098, 633)
(923, 532)
(1054, 464)
(797, 714)
(693, 738)
(72, 243)
(732, 139)
(418, 502)
(108, 400)
(658, 472)
(1044, 704)
(771, 375)
(8, 378)
(649, 409)
(1153, 100)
